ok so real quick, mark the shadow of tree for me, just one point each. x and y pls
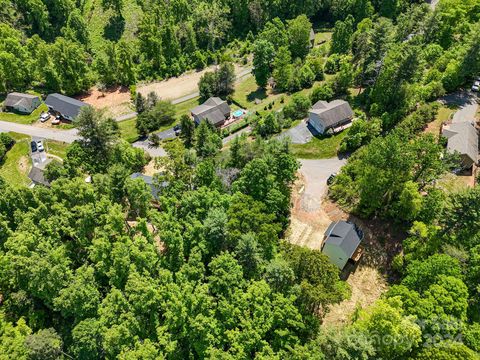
(260, 94)
(113, 31)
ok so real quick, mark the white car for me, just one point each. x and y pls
(44, 117)
(476, 86)
(40, 146)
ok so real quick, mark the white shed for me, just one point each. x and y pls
(342, 243)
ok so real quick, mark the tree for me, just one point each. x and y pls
(162, 113)
(299, 36)
(342, 36)
(283, 70)
(45, 344)
(225, 79)
(298, 107)
(393, 334)
(263, 53)
(207, 140)
(322, 92)
(447, 350)
(98, 134)
(12, 339)
(187, 127)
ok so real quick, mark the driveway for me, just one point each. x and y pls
(300, 134)
(467, 105)
(37, 156)
(316, 173)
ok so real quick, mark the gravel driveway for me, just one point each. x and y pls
(316, 173)
(300, 134)
(467, 105)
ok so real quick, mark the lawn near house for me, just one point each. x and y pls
(444, 114)
(24, 119)
(56, 148)
(325, 147)
(16, 164)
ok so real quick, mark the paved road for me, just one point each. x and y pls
(300, 134)
(67, 136)
(229, 138)
(316, 173)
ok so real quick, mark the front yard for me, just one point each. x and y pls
(16, 164)
(325, 147)
(24, 119)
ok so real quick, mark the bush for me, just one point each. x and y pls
(332, 64)
(322, 92)
(6, 140)
(298, 108)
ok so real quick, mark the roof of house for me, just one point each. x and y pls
(344, 235)
(462, 137)
(65, 105)
(36, 174)
(332, 113)
(17, 99)
(214, 109)
(150, 181)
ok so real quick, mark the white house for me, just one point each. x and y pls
(329, 115)
(23, 103)
(342, 243)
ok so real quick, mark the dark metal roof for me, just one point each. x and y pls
(36, 174)
(214, 110)
(65, 105)
(332, 113)
(462, 137)
(344, 235)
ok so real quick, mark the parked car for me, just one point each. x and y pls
(44, 117)
(33, 145)
(476, 86)
(331, 178)
(40, 146)
(178, 129)
(57, 120)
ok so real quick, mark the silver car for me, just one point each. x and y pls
(44, 117)
(476, 86)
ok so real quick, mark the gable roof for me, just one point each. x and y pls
(462, 137)
(19, 99)
(344, 235)
(215, 110)
(150, 181)
(332, 113)
(65, 105)
(36, 174)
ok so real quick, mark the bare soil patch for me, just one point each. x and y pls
(115, 100)
(23, 164)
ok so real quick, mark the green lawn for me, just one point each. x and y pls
(319, 147)
(56, 148)
(15, 166)
(444, 114)
(322, 37)
(24, 119)
(185, 107)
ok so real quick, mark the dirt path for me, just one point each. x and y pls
(117, 100)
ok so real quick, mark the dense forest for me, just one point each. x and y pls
(102, 270)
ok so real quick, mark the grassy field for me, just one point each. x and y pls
(444, 114)
(107, 25)
(128, 131)
(16, 164)
(319, 147)
(24, 119)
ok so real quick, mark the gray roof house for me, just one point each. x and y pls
(150, 181)
(36, 174)
(329, 115)
(342, 243)
(462, 138)
(67, 107)
(214, 110)
(23, 103)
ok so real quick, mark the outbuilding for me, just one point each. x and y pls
(342, 243)
(37, 173)
(67, 107)
(330, 115)
(22, 103)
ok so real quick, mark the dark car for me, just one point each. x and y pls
(178, 129)
(331, 179)
(33, 145)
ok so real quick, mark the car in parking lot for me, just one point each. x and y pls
(33, 146)
(44, 117)
(57, 120)
(40, 146)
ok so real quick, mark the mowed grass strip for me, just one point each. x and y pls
(24, 119)
(16, 164)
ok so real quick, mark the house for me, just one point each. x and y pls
(463, 139)
(330, 115)
(312, 38)
(342, 243)
(36, 174)
(214, 110)
(22, 103)
(150, 181)
(67, 107)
